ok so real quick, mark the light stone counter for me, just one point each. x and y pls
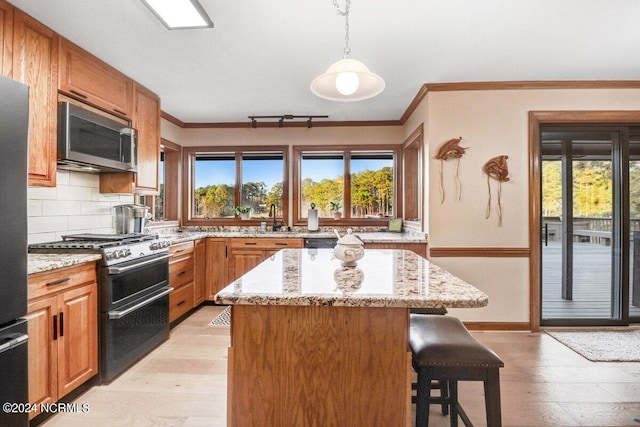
(308, 335)
(382, 278)
(253, 232)
(38, 263)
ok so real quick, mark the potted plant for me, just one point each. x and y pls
(335, 208)
(244, 212)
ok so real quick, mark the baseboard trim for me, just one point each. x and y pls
(498, 326)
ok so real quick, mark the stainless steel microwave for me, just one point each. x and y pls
(90, 142)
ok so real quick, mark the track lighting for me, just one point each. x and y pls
(282, 118)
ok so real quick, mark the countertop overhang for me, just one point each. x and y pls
(382, 278)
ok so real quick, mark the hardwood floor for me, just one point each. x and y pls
(183, 383)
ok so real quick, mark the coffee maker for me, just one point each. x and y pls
(131, 218)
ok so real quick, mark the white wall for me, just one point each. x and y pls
(74, 206)
(491, 123)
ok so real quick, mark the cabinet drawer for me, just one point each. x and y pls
(180, 301)
(268, 243)
(181, 249)
(181, 272)
(41, 284)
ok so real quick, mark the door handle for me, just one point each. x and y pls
(546, 234)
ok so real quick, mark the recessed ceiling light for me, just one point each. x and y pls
(179, 14)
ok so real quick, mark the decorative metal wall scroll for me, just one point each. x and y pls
(450, 150)
(497, 169)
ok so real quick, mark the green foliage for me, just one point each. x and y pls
(371, 193)
(592, 188)
(242, 209)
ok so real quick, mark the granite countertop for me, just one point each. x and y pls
(382, 278)
(366, 237)
(38, 263)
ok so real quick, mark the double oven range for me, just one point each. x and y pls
(133, 293)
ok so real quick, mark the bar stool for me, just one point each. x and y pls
(435, 384)
(444, 350)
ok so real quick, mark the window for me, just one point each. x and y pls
(222, 179)
(358, 183)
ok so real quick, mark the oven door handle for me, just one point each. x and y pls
(120, 270)
(14, 342)
(118, 314)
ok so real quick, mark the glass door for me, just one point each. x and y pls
(582, 252)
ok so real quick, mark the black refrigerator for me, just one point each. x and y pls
(14, 120)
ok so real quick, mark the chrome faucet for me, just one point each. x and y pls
(272, 212)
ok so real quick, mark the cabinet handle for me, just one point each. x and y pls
(180, 303)
(61, 324)
(250, 243)
(178, 251)
(119, 111)
(55, 327)
(281, 243)
(81, 95)
(181, 273)
(57, 282)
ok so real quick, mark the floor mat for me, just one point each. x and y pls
(222, 319)
(602, 346)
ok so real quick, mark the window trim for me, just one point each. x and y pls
(172, 164)
(413, 190)
(346, 150)
(188, 170)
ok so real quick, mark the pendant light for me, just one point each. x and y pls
(347, 79)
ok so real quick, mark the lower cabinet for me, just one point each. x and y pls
(200, 272)
(244, 254)
(216, 266)
(63, 332)
(181, 275)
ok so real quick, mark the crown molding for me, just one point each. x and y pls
(420, 95)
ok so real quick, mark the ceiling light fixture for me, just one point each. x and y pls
(347, 79)
(179, 14)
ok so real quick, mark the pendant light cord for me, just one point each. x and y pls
(345, 13)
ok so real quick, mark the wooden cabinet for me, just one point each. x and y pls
(181, 273)
(200, 271)
(35, 63)
(62, 317)
(84, 76)
(216, 266)
(6, 37)
(146, 120)
(246, 253)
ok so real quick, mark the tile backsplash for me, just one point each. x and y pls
(74, 206)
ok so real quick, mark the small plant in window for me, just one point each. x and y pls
(335, 208)
(244, 212)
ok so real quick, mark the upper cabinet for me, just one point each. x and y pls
(84, 76)
(35, 63)
(6, 37)
(147, 121)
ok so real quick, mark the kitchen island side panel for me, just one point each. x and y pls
(318, 366)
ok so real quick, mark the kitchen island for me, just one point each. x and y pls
(317, 344)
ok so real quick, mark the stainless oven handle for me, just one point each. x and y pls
(119, 270)
(18, 340)
(120, 314)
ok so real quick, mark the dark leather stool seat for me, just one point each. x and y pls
(444, 350)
